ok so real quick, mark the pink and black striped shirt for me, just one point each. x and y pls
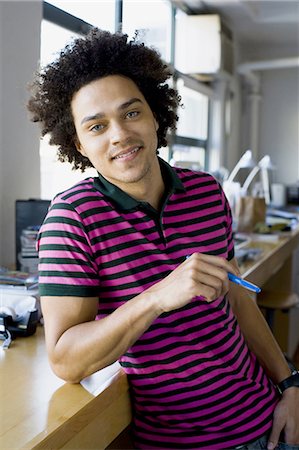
(194, 382)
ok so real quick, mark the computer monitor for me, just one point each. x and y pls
(28, 213)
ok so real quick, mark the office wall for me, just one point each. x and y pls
(1, 134)
(278, 131)
(19, 146)
(279, 125)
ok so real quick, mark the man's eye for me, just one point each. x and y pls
(98, 127)
(132, 114)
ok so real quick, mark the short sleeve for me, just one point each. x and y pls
(66, 263)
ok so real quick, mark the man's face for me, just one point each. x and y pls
(116, 130)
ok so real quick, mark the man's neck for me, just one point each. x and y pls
(150, 188)
(148, 192)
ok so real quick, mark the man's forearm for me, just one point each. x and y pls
(258, 335)
(92, 345)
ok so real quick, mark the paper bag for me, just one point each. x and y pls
(250, 211)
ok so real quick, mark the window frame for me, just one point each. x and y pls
(65, 20)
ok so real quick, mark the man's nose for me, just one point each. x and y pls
(118, 132)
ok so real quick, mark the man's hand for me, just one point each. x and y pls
(200, 275)
(286, 419)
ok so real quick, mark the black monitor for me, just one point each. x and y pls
(29, 213)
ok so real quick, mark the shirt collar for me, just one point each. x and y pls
(125, 201)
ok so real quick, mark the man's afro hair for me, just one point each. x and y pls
(94, 56)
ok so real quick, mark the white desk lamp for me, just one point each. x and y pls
(232, 188)
(264, 165)
(245, 162)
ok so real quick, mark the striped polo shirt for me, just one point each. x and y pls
(194, 382)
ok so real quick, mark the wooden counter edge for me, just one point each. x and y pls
(112, 403)
(273, 260)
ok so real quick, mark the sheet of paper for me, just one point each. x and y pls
(99, 381)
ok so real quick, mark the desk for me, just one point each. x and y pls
(275, 254)
(40, 411)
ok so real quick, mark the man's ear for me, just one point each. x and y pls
(156, 124)
(79, 147)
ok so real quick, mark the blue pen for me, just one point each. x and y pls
(246, 284)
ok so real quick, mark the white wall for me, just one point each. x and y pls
(278, 111)
(19, 146)
(1, 134)
(279, 125)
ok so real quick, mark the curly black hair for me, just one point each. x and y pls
(94, 56)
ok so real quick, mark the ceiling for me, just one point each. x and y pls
(264, 22)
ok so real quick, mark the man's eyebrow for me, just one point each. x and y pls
(129, 103)
(119, 108)
(93, 117)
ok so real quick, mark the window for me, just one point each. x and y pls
(53, 39)
(190, 142)
(188, 157)
(193, 117)
(55, 175)
(153, 19)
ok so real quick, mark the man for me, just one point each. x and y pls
(145, 250)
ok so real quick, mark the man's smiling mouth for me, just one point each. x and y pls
(125, 154)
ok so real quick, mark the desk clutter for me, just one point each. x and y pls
(17, 279)
(19, 305)
(277, 223)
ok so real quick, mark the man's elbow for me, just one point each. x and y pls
(66, 372)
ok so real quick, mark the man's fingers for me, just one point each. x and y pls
(291, 433)
(206, 279)
(215, 261)
(277, 427)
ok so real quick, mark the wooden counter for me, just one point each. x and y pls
(40, 411)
